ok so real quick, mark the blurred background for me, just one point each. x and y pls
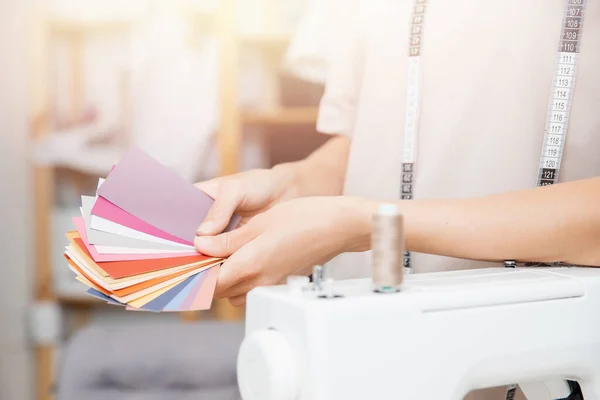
(206, 87)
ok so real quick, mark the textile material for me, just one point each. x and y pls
(179, 361)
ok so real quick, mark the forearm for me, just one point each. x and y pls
(553, 223)
(323, 172)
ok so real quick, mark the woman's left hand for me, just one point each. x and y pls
(288, 239)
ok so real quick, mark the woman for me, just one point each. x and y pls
(478, 75)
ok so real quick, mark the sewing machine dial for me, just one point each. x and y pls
(267, 367)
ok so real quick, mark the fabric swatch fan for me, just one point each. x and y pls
(133, 243)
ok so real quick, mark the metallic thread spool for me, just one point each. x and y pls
(387, 245)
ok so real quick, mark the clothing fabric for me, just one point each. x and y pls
(307, 56)
(487, 71)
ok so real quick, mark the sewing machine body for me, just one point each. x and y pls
(442, 336)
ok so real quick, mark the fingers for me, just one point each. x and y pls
(252, 265)
(226, 243)
(235, 290)
(237, 293)
(238, 301)
(239, 273)
(228, 195)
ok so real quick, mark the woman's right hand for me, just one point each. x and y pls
(246, 194)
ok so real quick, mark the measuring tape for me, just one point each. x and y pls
(563, 86)
(557, 120)
(413, 98)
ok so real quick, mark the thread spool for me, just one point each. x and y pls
(387, 245)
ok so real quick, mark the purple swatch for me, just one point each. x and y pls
(102, 296)
(146, 189)
(161, 301)
(182, 295)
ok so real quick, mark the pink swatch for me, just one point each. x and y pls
(187, 303)
(80, 226)
(203, 299)
(107, 210)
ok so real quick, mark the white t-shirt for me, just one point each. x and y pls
(487, 70)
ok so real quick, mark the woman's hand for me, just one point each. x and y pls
(288, 239)
(253, 192)
(247, 194)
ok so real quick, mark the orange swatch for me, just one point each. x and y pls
(121, 269)
(152, 282)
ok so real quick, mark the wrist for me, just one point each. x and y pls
(289, 180)
(360, 225)
(357, 214)
(309, 178)
(297, 177)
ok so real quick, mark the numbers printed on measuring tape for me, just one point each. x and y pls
(564, 81)
(416, 29)
(562, 93)
(565, 70)
(567, 58)
(572, 23)
(574, 10)
(568, 46)
(548, 173)
(420, 9)
(558, 116)
(556, 128)
(570, 34)
(560, 105)
(554, 140)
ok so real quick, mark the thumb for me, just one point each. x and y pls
(227, 197)
(210, 187)
(225, 244)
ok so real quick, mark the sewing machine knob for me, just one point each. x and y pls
(266, 367)
(296, 284)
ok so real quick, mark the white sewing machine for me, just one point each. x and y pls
(441, 336)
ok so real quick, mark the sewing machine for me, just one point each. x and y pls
(441, 336)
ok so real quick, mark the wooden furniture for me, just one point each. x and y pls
(42, 30)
